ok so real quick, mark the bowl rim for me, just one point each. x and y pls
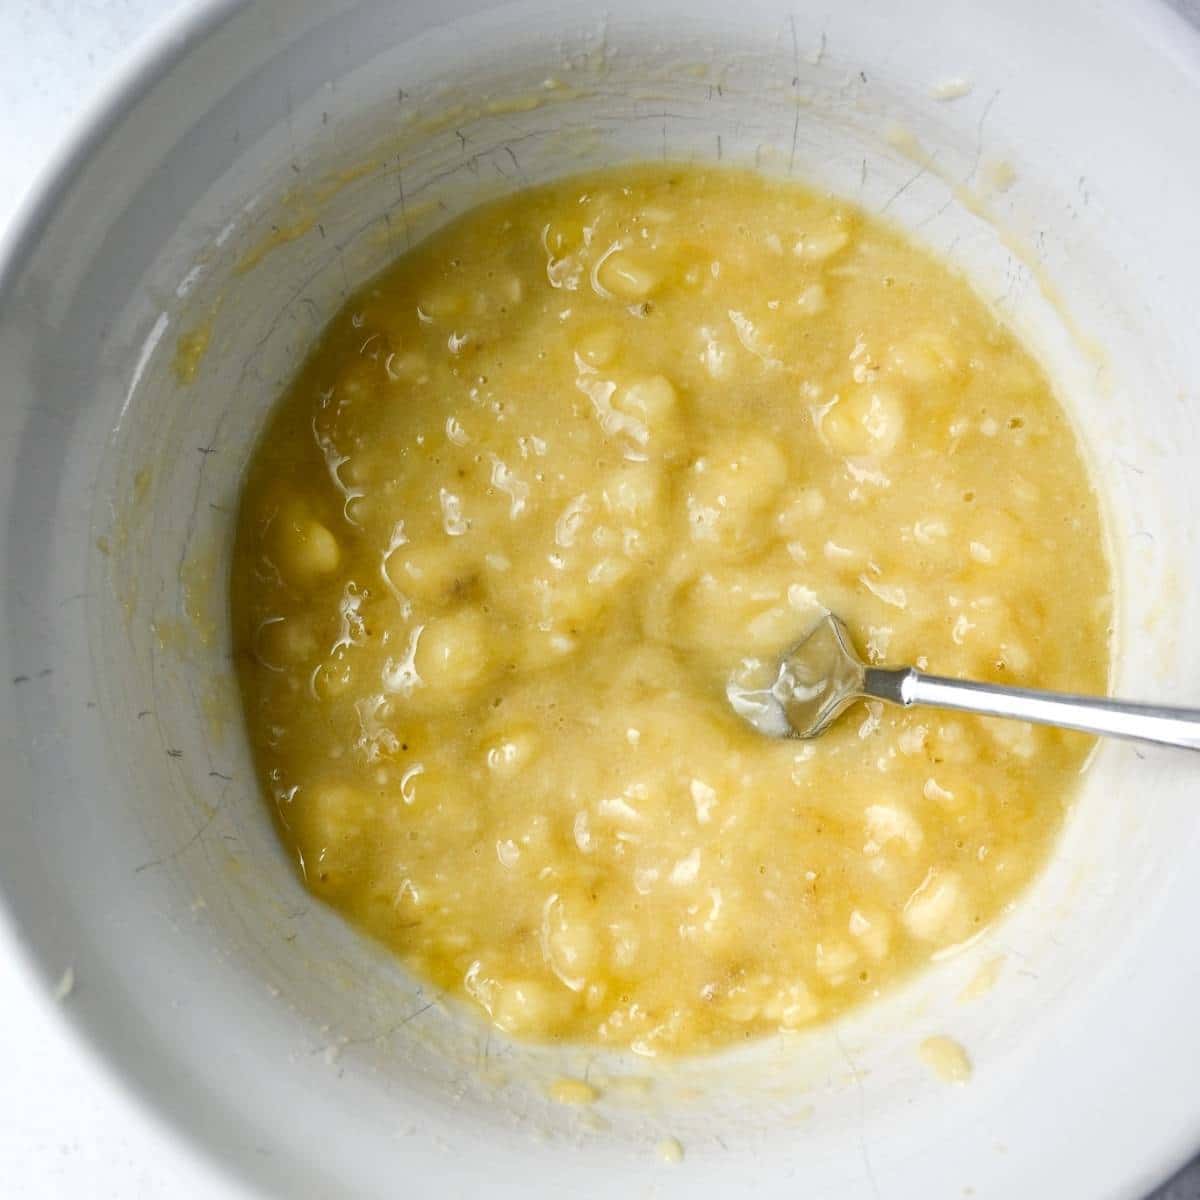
(149, 60)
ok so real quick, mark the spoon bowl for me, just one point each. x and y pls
(814, 684)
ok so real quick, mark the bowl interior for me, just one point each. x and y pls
(285, 158)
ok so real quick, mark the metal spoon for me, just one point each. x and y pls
(823, 675)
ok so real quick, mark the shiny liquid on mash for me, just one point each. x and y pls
(541, 487)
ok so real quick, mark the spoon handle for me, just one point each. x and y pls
(1110, 718)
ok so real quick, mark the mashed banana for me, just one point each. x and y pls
(541, 487)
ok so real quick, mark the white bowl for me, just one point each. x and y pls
(133, 845)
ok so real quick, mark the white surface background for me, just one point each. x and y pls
(67, 1128)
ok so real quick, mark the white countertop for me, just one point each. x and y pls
(66, 1127)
